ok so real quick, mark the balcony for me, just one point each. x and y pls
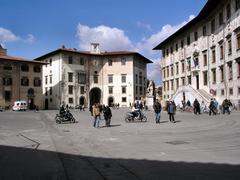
(195, 68)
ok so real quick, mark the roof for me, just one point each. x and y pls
(17, 59)
(105, 53)
(204, 13)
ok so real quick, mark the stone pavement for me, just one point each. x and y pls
(196, 147)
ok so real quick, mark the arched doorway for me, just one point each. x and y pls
(31, 98)
(110, 101)
(82, 100)
(95, 95)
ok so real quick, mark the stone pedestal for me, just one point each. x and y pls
(150, 102)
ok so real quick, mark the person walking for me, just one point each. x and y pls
(96, 115)
(157, 109)
(212, 108)
(107, 113)
(171, 111)
(196, 107)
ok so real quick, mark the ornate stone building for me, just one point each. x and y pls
(202, 59)
(20, 79)
(84, 77)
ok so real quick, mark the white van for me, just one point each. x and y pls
(20, 106)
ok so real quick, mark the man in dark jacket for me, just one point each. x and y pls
(196, 107)
(157, 108)
(171, 111)
(107, 113)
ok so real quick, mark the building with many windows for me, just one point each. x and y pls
(20, 79)
(84, 77)
(202, 59)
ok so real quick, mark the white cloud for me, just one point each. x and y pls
(110, 39)
(144, 25)
(147, 44)
(154, 71)
(8, 36)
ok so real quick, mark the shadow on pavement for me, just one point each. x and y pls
(30, 164)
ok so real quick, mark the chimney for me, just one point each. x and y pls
(95, 48)
(3, 51)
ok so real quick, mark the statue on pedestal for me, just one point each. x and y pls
(150, 89)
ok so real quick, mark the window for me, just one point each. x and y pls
(70, 77)
(124, 76)
(230, 91)
(136, 89)
(70, 60)
(110, 90)
(46, 91)
(229, 47)
(182, 43)
(204, 30)
(140, 90)
(167, 85)
(7, 81)
(6, 67)
(82, 78)
(228, 10)
(164, 86)
(238, 41)
(164, 72)
(214, 76)
(188, 40)
(46, 79)
(95, 77)
(50, 62)
(205, 59)
(25, 68)
(50, 90)
(220, 18)
(238, 69)
(110, 78)
(196, 36)
(70, 100)
(82, 90)
(124, 89)
(81, 61)
(189, 79)
(172, 84)
(177, 68)
(177, 82)
(140, 78)
(176, 46)
(167, 71)
(136, 78)
(222, 92)
(109, 62)
(37, 69)
(50, 79)
(7, 95)
(221, 73)
(171, 49)
(50, 100)
(205, 78)
(238, 90)
(124, 99)
(172, 71)
(37, 82)
(123, 61)
(167, 52)
(70, 89)
(183, 67)
(183, 81)
(230, 71)
(213, 56)
(221, 52)
(213, 26)
(24, 81)
(237, 4)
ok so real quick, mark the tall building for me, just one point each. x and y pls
(84, 77)
(202, 59)
(20, 79)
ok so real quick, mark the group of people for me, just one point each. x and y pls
(171, 109)
(96, 111)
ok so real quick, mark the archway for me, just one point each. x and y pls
(95, 95)
(110, 101)
(81, 101)
(31, 98)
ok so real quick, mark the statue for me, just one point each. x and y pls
(150, 89)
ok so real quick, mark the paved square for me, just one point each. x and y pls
(196, 147)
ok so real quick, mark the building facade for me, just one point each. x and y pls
(84, 77)
(202, 59)
(20, 79)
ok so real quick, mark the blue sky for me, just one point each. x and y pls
(30, 28)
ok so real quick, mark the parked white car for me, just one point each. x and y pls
(20, 106)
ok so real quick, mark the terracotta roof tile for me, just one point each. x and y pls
(12, 58)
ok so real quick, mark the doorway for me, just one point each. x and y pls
(95, 96)
(110, 101)
(81, 101)
(197, 81)
(46, 104)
